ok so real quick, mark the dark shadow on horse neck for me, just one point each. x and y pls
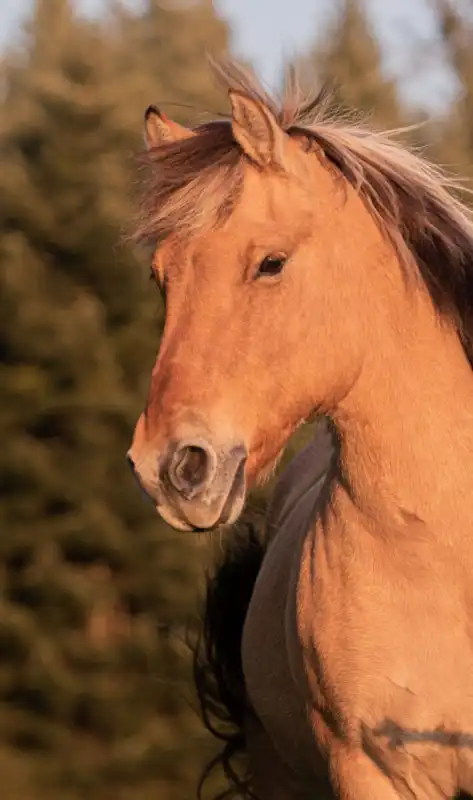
(310, 466)
(218, 670)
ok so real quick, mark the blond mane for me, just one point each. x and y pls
(195, 183)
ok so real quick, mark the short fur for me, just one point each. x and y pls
(195, 182)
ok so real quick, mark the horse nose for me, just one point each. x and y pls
(191, 468)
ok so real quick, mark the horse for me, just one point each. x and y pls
(311, 265)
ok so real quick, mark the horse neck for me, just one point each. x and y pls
(406, 427)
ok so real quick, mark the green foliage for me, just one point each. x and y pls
(451, 138)
(347, 57)
(95, 592)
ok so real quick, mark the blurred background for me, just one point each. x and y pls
(96, 594)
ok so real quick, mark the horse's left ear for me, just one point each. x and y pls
(257, 130)
(159, 129)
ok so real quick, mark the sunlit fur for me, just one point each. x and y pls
(194, 183)
(360, 622)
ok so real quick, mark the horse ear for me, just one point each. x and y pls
(256, 130)
(159, 129)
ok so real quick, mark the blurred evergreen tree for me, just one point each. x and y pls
(451, 137)
(95, 592)
(168, 48)
(347, 56)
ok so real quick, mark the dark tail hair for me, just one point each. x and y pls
(218, 671)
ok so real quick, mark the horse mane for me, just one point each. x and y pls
(196, 182)
(218, 671)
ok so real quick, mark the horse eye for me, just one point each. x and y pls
(271, 265)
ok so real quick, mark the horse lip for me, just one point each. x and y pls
(173, 519)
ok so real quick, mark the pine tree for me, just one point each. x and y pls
(451, 137)
(348, 57)
(168, 47)
(95, 591)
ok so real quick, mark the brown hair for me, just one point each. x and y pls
(196, 181)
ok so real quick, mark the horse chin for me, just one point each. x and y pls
(170, 516)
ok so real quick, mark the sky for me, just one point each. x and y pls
(268, 31)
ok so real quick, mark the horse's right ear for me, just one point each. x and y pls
(159, 129)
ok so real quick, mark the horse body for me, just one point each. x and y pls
(323, 269)
(362, 607)
(377, 705)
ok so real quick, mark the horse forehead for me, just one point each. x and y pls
(273, 195)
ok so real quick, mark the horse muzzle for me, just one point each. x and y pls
(194, 485)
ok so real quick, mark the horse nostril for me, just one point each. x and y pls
(190, 468)
(130, 462)
(191, 465)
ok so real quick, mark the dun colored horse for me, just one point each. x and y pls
(310, 265)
